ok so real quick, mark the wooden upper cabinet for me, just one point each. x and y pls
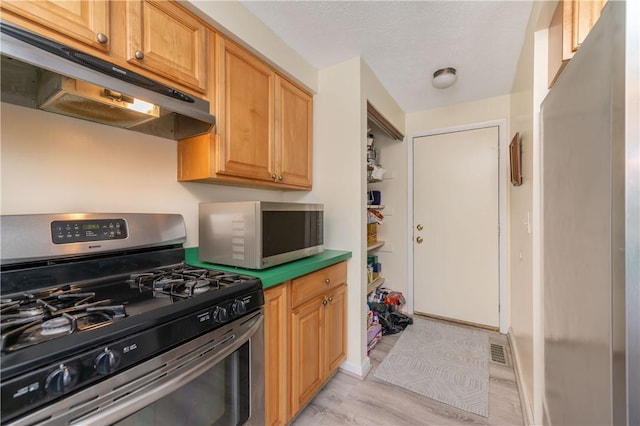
(86, 22)
(583, 15)
(294, 118)
(165, 39)
(246, 114)
(571, 22)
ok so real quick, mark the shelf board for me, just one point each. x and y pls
(375, 206)
(375, 245)
(375, 284)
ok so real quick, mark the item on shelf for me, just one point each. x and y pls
(372, 153)
(372, 233)
(376, 173)
(370, 276)
(374, 198)
(374, 216)
(373, 271)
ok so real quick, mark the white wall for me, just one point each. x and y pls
(529, 88)
(55, 164)
(455, 115)
(338, 184)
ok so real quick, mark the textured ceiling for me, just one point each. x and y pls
(404, 42)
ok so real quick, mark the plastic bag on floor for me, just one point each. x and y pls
(392, 321)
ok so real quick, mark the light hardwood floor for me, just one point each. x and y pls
(349, 400)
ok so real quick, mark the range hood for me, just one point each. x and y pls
(39, 73)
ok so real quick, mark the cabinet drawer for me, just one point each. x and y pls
(315, 283)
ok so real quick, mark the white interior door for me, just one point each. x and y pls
(456, 225)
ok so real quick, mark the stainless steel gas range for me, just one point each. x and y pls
(103, 323)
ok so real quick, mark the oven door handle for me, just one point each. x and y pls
(140, 397)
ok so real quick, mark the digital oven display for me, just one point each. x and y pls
(77, 231)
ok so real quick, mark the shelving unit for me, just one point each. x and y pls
(375, 246)
(379, 127)
(375, 284)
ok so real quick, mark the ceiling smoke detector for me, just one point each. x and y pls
(443, 78)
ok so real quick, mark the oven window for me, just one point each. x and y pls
(220, 396)
(286, 231)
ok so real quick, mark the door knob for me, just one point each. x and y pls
(419, 227)
(419, 240)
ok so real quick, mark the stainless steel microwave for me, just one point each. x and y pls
(259, 234)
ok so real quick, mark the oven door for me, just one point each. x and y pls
(216, 379)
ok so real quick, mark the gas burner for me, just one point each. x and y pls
(32, 318)
(30, 311)
(181, 282)
(56, 325)
(198, 286)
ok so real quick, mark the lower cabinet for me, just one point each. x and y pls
(317, 344)
(276, 322)
(305, 339)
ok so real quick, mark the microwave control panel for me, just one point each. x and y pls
(77, 231)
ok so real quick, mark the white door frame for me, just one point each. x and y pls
(502, 210)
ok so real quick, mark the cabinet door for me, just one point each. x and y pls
(294, 118)
(84, 21)
(166, 40)
(307, 350)
(247, 107)
(571, 22)
(583, 15)
(335, 329)
(276, 310)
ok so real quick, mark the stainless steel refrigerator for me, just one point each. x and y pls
(590, 228)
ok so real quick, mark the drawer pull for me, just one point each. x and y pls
(102, 38)
(327, 281)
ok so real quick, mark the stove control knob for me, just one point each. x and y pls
(220, 315)
(106, 361)
(60, 380)
(239, 307)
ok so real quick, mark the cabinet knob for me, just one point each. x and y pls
(419, 227)
(324, 301)
(327, 281)
(139, 54)
(330, 299)
(273, 176)
(280, 178)
(419, 240)
(102, 38)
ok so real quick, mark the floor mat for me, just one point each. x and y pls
(444, 362)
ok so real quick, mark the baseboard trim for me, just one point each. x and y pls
(457, 321)
(359, 371)
(527, 413)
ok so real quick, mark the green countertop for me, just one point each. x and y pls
(276, 274)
